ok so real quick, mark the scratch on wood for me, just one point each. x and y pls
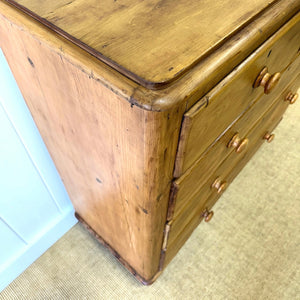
(269, 53)
(30, 61)
(68, 3)
(144, 210)
(158, 197)
(207, 100)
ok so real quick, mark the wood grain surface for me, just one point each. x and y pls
(115, 159)
(184, 187)
(113, 139)
(188, 88)
(152, 42)
(182, 227)
(225, 172)
(206, 120)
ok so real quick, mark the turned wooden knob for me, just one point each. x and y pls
(207, 215)
(291, 97)
(237, 143)
(269, 137)
(219, 185)
(266, 80)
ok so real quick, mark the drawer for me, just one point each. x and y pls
(183, 224)
(211, 115)
(184, 187)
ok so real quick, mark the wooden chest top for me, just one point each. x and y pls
(152, 42)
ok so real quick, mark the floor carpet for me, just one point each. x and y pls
(250, 250)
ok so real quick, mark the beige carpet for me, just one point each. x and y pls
(250, 250)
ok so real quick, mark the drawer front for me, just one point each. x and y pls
(184, 187)
(206, 120)
(183, 225)
(177, 239)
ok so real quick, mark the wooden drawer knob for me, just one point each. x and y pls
(219, 185)
(291, 97)
(266, 80)
(269, 137)
(207, 215)
(237, 143)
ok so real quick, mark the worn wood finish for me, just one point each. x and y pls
(233, 95)
(113, 139)
(223, 174)
(200, 79)
(116, 160)
(121, 33)
(184, 187)
(182, 228)
(116, 254)
(294, 87)
(189, 88)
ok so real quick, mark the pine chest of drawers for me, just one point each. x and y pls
(151, 108)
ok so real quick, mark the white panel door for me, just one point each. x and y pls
(35, 209)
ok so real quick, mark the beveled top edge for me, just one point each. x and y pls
(186, 90)
(135, 76)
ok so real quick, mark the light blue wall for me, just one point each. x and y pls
(35, 210)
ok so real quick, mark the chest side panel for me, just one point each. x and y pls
(116, 160)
